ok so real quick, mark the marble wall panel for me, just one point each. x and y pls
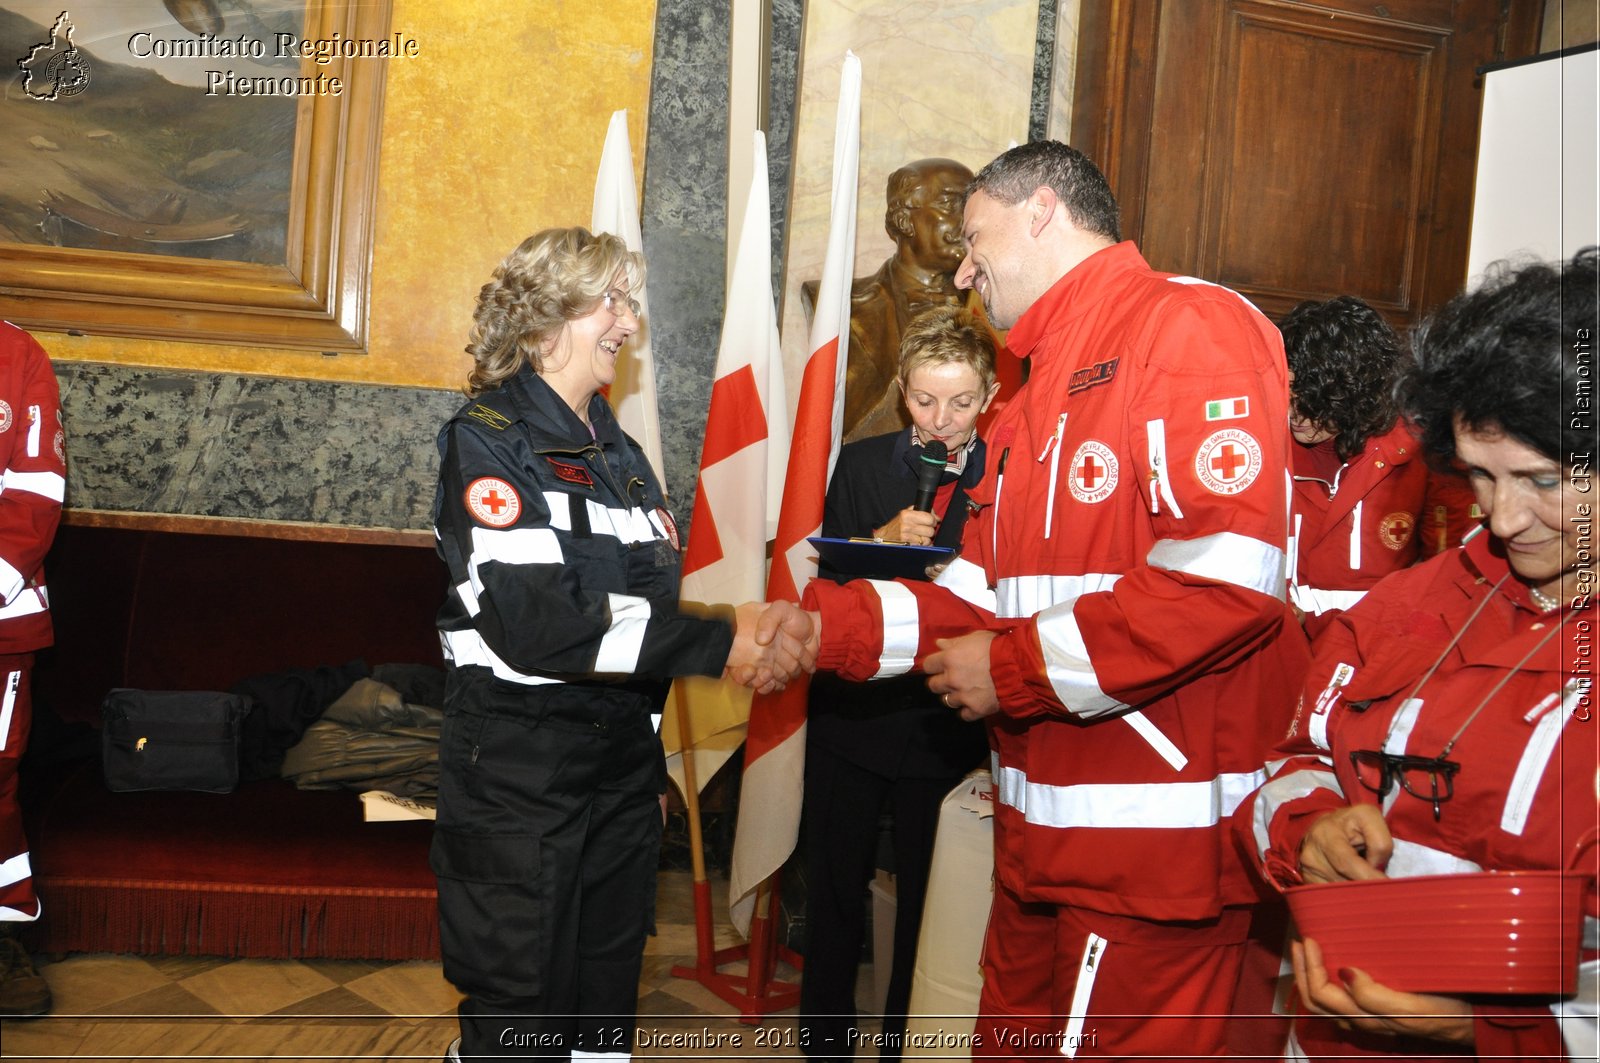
(256, 448)
(951, 78)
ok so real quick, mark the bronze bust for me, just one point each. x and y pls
(924, 220)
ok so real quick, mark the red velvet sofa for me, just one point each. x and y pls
(267, 871)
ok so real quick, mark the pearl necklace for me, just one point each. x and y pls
(1545, 602)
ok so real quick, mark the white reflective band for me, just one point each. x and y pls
(520, 546)
(1225, 557)
(8, 705)
(1022, 596)
(1158, 741)
(468, 648)
(1291, 565)
(1156, 806)
(1316, 601)
(1278, 792)
(469, 598)
(628, 525)
(968, 582)
(900, 628)
(1535, 758)
(11, 581)
(1067, 665)
(1094, 955)
(17, 915)
(51, 485)
(1355, 538)
(1055, 467)
(1156, 436)
(35, 423)
(17, 869)
(619, 646)
(1410, 859)
(1405, 718)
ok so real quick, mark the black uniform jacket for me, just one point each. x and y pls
(563, 556)
(893, 727)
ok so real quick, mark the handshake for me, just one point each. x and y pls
(772, 644)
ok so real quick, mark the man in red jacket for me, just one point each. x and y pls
(1118, 617)
(31, 489)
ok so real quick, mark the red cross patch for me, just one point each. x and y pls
(1228, 461)
(494, 502)
(1093, 473)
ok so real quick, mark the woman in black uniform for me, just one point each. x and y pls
(562, 628)
(888, 744)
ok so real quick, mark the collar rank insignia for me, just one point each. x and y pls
(493, 418)
(1093, 376)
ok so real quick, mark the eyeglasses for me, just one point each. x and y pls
(1430, 779)
(616, 299)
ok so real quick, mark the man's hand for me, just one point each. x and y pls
(959, 674)
(1346, 844)
(772, 644)
(1372, 1007)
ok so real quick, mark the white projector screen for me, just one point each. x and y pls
(1538, 186)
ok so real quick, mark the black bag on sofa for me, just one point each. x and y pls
(171, 740)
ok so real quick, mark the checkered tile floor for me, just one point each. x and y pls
(113, 1007)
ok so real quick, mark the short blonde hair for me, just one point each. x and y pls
(948, 334)
(553, 277)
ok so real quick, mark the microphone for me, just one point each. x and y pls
(929, 473)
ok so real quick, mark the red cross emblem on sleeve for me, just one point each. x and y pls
(1093, 473)
(1228, 461)
(494, 502)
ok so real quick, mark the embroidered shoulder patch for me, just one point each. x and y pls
(1094, 472)
(569, 473)
(1228, 461)
(670, 526)
(1092, 376)
(1228, 409)
(5, 415)
(493, 418)
(493, 502)
(1395, 529)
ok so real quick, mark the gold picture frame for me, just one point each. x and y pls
(317, 299)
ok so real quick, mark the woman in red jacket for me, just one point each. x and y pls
(1447, 724)
(1364, 504)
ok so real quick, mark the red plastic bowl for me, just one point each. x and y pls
(1485, 932)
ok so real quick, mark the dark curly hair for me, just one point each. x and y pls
(1345, 359)
(1515, 354)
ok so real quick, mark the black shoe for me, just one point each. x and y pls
(24, 993)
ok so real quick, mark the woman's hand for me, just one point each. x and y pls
(1349, 843)
(1372, 1007)
(909, 526)
(772, 644)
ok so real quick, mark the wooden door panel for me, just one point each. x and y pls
(1283, 224)
(1296, 149)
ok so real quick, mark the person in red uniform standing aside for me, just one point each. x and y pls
(1447, 722)
(31, 490)
(1364, 502)
(1118, 617)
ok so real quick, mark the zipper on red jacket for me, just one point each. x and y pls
(1052, 450)
(994, 520)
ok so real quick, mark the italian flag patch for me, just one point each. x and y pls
(1228, 409)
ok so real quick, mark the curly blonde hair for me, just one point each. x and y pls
(944, 335)
(553, 277)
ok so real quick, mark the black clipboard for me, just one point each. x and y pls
(863, 557)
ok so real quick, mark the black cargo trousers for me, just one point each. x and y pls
(546, 850)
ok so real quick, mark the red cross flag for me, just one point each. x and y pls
(616, 211)
(741, 465)
(774, 756)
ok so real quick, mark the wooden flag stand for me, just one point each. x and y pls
(757, 992)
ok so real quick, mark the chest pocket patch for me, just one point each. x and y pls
(569, 473)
